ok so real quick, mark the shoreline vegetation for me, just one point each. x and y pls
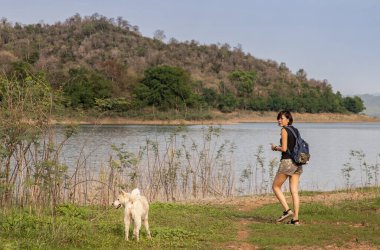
(218, 118)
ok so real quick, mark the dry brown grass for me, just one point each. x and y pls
(229, 118)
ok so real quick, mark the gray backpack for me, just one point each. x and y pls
(300, 154)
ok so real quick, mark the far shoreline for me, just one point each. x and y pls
(223, 119)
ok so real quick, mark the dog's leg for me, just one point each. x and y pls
(146, 225)
(126, 223)
(136, 231)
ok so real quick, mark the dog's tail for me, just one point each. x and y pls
(135, 194)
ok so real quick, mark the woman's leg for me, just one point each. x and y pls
(293, 184)
(277, 183)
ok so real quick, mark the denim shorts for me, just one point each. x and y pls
(288, 167)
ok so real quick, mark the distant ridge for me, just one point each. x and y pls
(372, 104)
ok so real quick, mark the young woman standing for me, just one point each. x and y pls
(287, 169)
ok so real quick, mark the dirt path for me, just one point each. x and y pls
(247, 203)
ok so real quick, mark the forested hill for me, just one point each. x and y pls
(106, 64)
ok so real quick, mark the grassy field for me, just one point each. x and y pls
(344, 224)
(334, 220)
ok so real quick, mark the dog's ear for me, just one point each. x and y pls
(123, 192)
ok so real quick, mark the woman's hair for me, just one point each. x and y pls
(287, 114)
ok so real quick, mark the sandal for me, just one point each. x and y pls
(285, 215)
(294, 222)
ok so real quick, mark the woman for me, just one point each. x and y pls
(287, 169)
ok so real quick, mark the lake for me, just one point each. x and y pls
(330, 146)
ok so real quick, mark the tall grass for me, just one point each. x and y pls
(256, 178)
(369, 172)
(179, 168)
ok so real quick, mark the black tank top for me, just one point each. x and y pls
(291, 143)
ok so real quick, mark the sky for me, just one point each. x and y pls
(333, 40)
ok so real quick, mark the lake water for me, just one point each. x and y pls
(330, 145)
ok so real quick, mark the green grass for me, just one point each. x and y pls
(174, 226)
(321, 225)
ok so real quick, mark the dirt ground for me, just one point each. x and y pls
(247, 203)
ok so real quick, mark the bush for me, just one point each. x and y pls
(353, 104)
(227, 103)
(165, 87)
(84, 87)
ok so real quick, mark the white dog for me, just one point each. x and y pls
(136, 208)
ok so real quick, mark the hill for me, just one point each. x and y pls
(106, 64)
(372, 104)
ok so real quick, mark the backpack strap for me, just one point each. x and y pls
(295, 136)
(293, 132)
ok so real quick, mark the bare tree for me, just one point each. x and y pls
(159, 35)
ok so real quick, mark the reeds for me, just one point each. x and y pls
(179, 168)
(369, 173)
(256, 178)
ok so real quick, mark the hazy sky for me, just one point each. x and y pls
(337, 40)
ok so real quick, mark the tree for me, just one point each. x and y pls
(165, 87)
(210, 96)
(301, 75)
(258, 104)
(353, 104)
(84, 87)
(25, 105)
(227, 102)
(159, 35)
(244, 83)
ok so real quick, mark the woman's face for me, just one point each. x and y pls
(283, 121)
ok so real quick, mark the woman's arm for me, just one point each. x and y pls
(284, 141)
